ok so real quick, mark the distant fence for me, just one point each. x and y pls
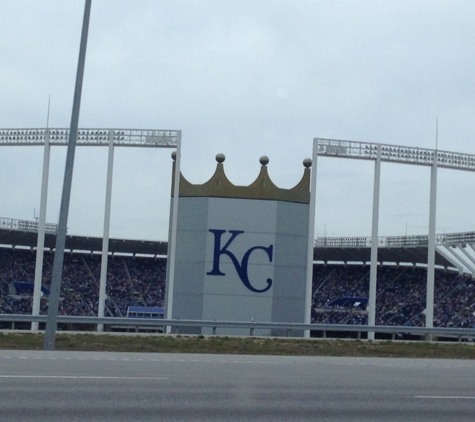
(26, 225)
(292, 329)
(451, 239)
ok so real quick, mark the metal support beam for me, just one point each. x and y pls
(311, 238)
(467, 254)
(41, 233)
(374, 245)
(467, 263)
(173, 234)
(395, 154)
(91, 137)
(431, 247)
(470, 258)
(51, 322)
(443, 251)
(105, 238)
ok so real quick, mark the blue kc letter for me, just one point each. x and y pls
(241, 267)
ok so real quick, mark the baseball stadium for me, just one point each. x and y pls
(135, 273)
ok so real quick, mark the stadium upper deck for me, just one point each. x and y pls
(450, 252)
(19, 238)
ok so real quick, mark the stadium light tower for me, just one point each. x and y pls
(111, 138)
(159, 139)
(405, 155)
(374, 244)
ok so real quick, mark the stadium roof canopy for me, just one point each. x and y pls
(412, 255)
(18, 238)
(453, 250)
(322, 253)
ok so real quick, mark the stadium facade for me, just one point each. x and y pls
(137, 269)
(449, 251)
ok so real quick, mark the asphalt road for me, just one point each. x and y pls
(77, 386)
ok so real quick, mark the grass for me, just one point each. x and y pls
(239, 345)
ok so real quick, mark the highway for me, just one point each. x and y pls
(102, 386)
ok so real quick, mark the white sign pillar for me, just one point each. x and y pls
(431, 248)
(172, 244)
(311, 238)
(374, 246)
(105, 239)
(41, 233)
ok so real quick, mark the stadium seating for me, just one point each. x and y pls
(130, 281)
(339, 292)
(400, 296)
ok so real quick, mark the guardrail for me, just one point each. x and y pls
(291, 328)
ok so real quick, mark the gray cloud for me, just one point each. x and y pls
(247, 78)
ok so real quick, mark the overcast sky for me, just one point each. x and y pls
(245, 78)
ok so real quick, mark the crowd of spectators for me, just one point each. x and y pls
(140, 281)
(400, 296)
(131, 281)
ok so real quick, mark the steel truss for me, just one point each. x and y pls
(451, 239)
(432, 158)
(92, 137)
(26, 225)
(395, 154)
(47, 137)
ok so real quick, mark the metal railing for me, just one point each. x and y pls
(450, 239)
(290, 328)
(395, 154)
(162, 138)
(26, 225)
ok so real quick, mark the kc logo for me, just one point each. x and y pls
(241, 267)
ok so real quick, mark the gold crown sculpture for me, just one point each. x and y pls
(219, 185)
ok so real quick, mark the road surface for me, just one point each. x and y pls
(106, 387)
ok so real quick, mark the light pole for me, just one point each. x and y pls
(51, 321)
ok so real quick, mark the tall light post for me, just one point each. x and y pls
(51, 321)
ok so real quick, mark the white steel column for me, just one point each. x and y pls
(468, 264)
(470, 258)
(41, 233)
(311, 238)
(374, 246)
(431, 248)
(105, 238)
(172, 243)
(444, 251)
(472, 249)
